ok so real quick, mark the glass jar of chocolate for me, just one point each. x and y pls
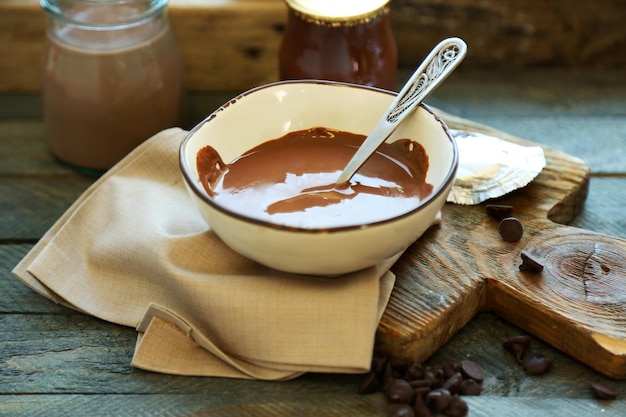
(112, 77)
(339, 40)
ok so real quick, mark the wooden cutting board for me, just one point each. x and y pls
(463, 266)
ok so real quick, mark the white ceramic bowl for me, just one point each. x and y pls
(271, 111)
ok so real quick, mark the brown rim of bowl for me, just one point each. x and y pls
(195, 186)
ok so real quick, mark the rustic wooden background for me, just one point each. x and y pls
(232, 46)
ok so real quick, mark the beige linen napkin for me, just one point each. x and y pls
(133, 250)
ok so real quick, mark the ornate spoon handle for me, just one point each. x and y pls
(441, 61)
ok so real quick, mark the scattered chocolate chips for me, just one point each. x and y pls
(472, 370)
(419, 390)
(457, 407)
(517, 345)
(470, 387)
(438, 400)
(449, 369)
(453, 383)
(421, 383)
(414, 371)
(529, 264)
(400, 391)
(511, 229)
(601, 392)
(420, 408)
(499, 211)
(537, 365)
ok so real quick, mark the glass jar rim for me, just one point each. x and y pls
(333, 11)
(54, 9)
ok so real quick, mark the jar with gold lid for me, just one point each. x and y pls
(339, 40)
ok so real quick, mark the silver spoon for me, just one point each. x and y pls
(441, 61)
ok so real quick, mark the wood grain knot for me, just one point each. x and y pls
(584, 278)
(592, 272)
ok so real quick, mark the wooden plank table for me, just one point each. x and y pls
(55, 361)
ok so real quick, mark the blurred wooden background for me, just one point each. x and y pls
(232, 45)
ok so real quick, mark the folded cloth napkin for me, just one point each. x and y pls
(133, 250)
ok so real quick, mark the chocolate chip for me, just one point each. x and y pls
(420, 408)
(499, 211)
(431, 375)
(400, 410)
(449, 369)
(453, 383)
(517, 340)
(414, 371)
(456, 408)
(537, 365)
(439, 377)
(517, 345)
(422, 391)
(511, 229)
(416, 390)
(400, 392)
(519, 351)
(438, 400)
(470, 387)
(421, 383)
(472, 370)
(529, 264)
(601, 392)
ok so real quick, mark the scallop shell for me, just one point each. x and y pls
(491, 167)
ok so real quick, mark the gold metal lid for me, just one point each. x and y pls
(338, 11)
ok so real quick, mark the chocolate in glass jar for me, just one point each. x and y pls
(349, 41)
(112, 77)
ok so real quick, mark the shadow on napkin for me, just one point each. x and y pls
(133, 250)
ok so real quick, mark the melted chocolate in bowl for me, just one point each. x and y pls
(291, 180)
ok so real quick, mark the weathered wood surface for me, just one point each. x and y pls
(233, 45)
(489, 279)
(464, 266)
(55, 361)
